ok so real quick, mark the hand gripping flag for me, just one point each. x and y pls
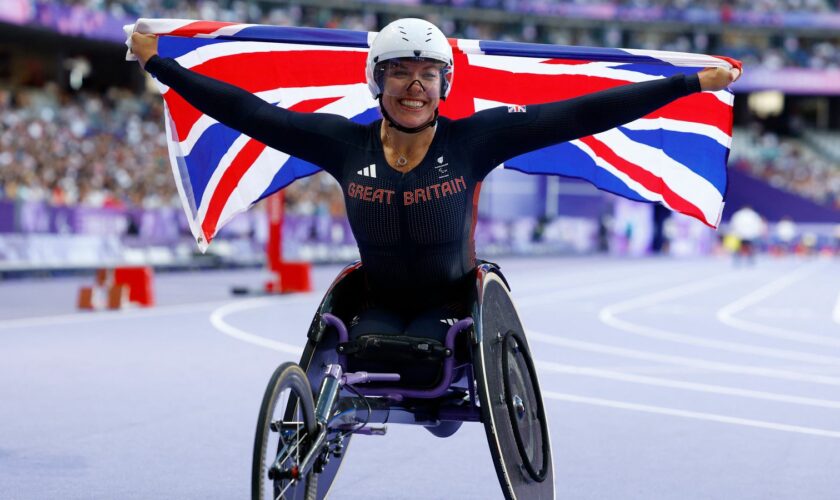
(675, 156)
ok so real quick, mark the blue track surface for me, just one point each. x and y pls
(663, 379)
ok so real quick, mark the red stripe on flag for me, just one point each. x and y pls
(312, 105)
(199, 28)
(243, 161)
(734, 62)
(699, 108)
(273, 70)
(230, 179)
(183, 114)
(650, 181)
(568, 62)
(460, 103)
(528, 88)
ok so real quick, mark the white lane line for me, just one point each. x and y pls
(549, 280)
(217, 319)
(549, 366)
(758, 371)
(648, 369)
(673, 412)
(608, 314)
(776, 313)
(576, 292)
(726, 314)
(98, 316)
(836, 313)
(811, 368)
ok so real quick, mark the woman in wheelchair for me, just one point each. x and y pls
(411, 183)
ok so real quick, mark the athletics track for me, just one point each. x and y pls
(663, 379)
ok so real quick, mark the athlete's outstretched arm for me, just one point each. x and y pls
(318, 138)
(497, 135)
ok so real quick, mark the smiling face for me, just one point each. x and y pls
(411, 90)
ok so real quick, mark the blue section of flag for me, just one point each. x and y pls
(176, 46)
(702, 154)
(215, 142)
(569, 161)
(205, 156)
(293, 169)
(308, 36)
(296, 168)
(368, 116)
(661, 70)
(563, 52)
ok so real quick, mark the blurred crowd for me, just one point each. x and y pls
(83, 149)
(786, 163)
(240, 9)
(754, 49)
(752, 6)
(106, 151)
(317, 194)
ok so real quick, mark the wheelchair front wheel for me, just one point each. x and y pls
(285, 427)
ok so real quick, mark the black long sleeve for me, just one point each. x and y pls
(318, 138)
(506, 135)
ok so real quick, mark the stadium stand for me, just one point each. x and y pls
(786, 163)
(825, 142)
(98, 148)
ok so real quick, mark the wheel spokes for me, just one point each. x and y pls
(291, 436)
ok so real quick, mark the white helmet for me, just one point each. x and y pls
(414, 38)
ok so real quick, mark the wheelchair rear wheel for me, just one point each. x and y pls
(285, 426)
(511, 403)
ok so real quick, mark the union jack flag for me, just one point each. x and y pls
(675, 156)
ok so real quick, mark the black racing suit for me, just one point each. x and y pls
(415, 230)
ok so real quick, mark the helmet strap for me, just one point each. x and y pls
(407, 130)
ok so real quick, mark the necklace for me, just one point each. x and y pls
(401, 158)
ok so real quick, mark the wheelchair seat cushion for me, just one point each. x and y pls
(403, 340)
(394, 348)
(419, 361)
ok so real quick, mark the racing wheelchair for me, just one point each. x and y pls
(481, 372)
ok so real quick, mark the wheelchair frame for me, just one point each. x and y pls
(505, 397)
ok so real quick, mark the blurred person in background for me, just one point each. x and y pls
(748, 227)
(785, 234)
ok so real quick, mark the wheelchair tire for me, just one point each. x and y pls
(524, 403)
(285, 424)
(511, 404)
